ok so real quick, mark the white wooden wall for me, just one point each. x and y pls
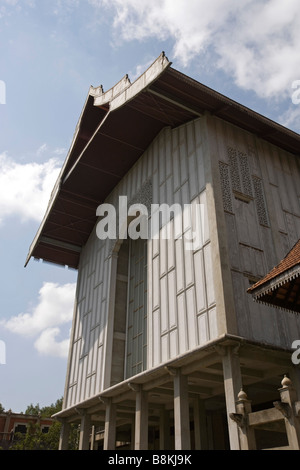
(261, 229)
(181, 298)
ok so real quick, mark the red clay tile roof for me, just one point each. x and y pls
(281, 286)
(288, 262)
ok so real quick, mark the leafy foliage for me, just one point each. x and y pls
(35, 439)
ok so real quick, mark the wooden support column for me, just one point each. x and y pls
(164, 430)
(289, 408)
(110, 424)
(232, 385)
(64, 435)
(93, 444)
(141, 417)
(181, 411)
(132, 443)
(294, 375)
(85, 430)
(200, 428)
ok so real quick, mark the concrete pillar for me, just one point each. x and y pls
(85, 431)
(294, 375)
(181, 412)
(93, 446)
(200, 427)
(288, 400)
(164, 430)
(110, 426)
(232, 385)
(64, 435)
(132, 442)
(141, 419)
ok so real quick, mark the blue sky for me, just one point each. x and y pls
(51, 51)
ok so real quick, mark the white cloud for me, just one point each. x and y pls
(10, 7)
(291, 117)
(55, 307)
(254, 41)
(48, 345)
(43, 322)
(25, 188)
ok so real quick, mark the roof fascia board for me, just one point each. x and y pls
(176, 102)
(124, 91)
(60, 244)
(276, 282)
(93, 92)
(108, 96)
(35, 241)
(119, 95)
(85, 148)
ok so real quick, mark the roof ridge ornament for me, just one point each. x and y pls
(124, 90)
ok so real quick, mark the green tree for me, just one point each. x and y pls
(35, 439)
(46, 411)
(1, 408)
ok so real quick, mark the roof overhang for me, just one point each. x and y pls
(281, 286)
(283, 291)
(114, 130)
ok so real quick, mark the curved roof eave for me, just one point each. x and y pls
(108, 102)
(114, 129)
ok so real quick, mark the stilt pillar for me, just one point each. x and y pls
(64, 435)
(181, 411)
(110, 425)
(141, 417)
(164, 430)
(85, 430)
(200, 428)
(232, 386)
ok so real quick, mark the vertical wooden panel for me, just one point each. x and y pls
(164, 347)
(171, 247)
(213, 323)
(188, 264)
(191, 317)
(173, 343)
(176, 160)
(172, 299)
(203, 328)
(168, 154)
(164, 305)
(208, 275)
(182, 323)
(200, 281)
(155, 284)
(156, 337)
(179, 265)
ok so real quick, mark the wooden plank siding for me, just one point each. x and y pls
(250, 193)
(181, 309)
(260, 228)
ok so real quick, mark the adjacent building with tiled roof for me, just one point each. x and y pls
(281, 286)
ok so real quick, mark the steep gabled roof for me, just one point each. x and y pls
(281, 286)
(114, 130)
